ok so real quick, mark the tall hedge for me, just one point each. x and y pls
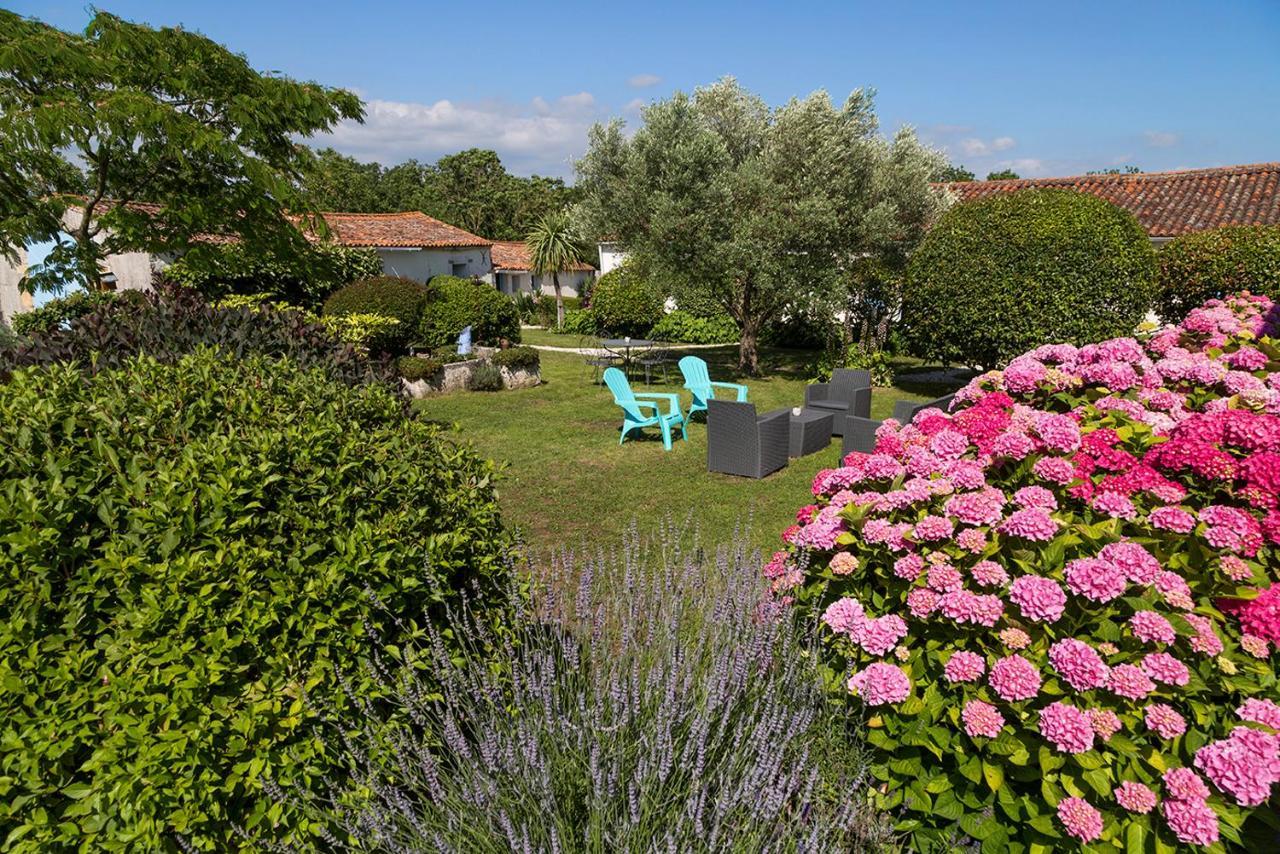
(455, 303)
(625, 302)
(187, 553)
(1208, 264)
(1001, 275)
(221, 270)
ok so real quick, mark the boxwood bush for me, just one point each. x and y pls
(190, 554)
(1207, 264)
(391, 296)
(580, 322)
(517, 359)
(625, 303)
(685, 328)
(998, 276)
(455, 303)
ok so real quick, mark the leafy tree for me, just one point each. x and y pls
(953, 173)
(755, 208)
(92, 124)
(336, 182)
(555, 245)
(1003, 175)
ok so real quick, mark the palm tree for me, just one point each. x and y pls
(554, 245)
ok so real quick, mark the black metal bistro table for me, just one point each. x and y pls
(810, 431)
(624, 346)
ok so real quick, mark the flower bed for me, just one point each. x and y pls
(1048, 598)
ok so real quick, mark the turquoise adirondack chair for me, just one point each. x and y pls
(637, 413)
(702, 387)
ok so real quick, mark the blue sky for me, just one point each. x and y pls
(1045, 88)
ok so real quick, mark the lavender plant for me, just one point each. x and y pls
(648, 701)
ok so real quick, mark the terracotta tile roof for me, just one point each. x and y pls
(410, 229)
(1167, 203)
(514, 255)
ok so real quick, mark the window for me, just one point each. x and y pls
(459, 269)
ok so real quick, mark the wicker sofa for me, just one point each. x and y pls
(743, 443)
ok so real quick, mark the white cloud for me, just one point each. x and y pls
(541, 136)
(975, 147)
(1027, 167)
(635, 105)
(643, 81)
(1161, 139)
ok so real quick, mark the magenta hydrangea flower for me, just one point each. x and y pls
(964, 667)
(1164, 720)
(1014, 678)
(1038, 598)
(981, 719)
(879, 684)
(1095, 579)
(1080, 819)
(1067, 728)
(988, 573)
(1260, 711)
(1184, 784)
(1127, 680)
(1150, 627)
(1245, 765)
(1135, 797)
(1078, 664)
(1173, 519)
(1031, 524)
(1163, 667)
(1194, 822)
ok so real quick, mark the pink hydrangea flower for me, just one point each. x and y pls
(981, 719)
(1078, 664)
(1080, 819)
(984, 507)
(1150, 627)
(1138, 565)
(1035, 496)
(1245, 765)
(1127, 680)
(879, 684)
(1015, 638)
(1173, 519)
(1067, 728)
(1054, 470)
(1135, 797)
(934, 528)
(1164, 720)
(1105, 722)
(908, 567)
(964, 667)
(1163, 667)
(1184, 784)
(1032, 524)
(880, 635)
(922, 602)
(1260, 711)
(1194, 822)
(945, 577)
(1114, 504)
(843, 563)
(1014, 678)
(1095, 579)
(1205, 641)
(844, 615)
(972, 540)
(1058, 432)
(988, 573)
(1038, 598)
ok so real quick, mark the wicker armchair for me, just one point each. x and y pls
(743, 443)
(860, 433)
(848, 393)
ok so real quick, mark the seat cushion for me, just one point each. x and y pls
(829, 405)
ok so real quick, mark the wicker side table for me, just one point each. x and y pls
(810, 432)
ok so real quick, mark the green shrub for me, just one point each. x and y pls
(454, 304)
(858, 357)
(1197, 267)
(517, 359)
(371, 333)
(486, 377)
(685, 328)
(221, 270)
(189, 550)
(625, 303)
(801, 329)
(580, 322)
(1002, 275)
(61, 311)
(390, 296)
(414, 368)
(172, 321)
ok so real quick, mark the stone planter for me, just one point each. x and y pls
(456, 376)
(520, 378)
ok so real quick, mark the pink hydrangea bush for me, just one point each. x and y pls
(1056, 599)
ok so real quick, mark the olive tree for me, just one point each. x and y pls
(759, 210)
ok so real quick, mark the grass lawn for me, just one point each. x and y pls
(566, 481)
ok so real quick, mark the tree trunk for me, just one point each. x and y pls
(555, 282)
(748, 349)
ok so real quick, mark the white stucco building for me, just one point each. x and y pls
(511, 273)
(611, 256)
